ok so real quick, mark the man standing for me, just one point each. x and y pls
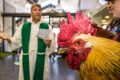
(114, 8)
(34, 57)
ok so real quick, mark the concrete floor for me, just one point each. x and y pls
(59, 70)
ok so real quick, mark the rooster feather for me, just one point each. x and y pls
(95, 58)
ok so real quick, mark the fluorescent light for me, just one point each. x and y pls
(16, 0)
(104, 26)
(103, 21)
(107, 16)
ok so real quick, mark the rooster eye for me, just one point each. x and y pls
(77, 43)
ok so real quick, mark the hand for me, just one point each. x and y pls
(4, 36)
(48, 42)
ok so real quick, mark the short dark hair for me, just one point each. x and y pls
(36, 4)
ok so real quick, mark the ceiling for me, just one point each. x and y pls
(67, 5)
(103, 15)
(93, 7)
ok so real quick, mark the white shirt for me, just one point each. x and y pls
(16, 39)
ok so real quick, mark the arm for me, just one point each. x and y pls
(51, 41)
(48, 40)
(104, 33)
(13, 42)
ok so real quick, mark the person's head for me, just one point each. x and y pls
(36, 12)
(114, 7)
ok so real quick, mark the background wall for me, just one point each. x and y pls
(1, 11)
(1, 21)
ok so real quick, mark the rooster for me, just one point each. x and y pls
(96, 58)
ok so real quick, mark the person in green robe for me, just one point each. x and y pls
(36, 49)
